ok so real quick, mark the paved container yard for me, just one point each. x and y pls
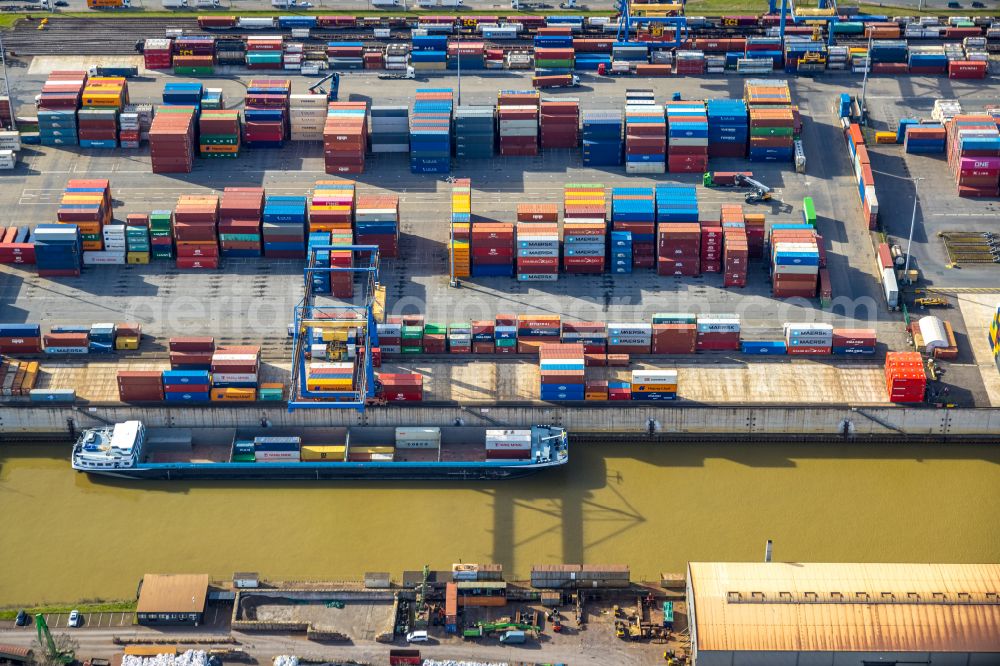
(250, 300)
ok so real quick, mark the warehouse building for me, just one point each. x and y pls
(793, 614)
(172, 599)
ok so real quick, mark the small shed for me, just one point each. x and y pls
(246, 580)
(933, 333)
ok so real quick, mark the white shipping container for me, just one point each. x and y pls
(234, 357)
(276, 456)
(890, 288)
(654, 376)
(418, 438)
(637, 328)
(391, 349)
(390, 330)
(10, 140)
(225, 377)
(103, 258)
(807, 328)
(508, 440)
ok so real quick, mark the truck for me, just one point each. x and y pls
(434, 4)
(127, 72)
(290, 4)
(207, 4)
(556, 81)
(388, 4)
(394, 76)
(175, 4)
(108, 4)
(513, 638)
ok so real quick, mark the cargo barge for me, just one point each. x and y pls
(130, 450)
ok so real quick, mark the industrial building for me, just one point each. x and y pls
(172, 599)
(795, 614)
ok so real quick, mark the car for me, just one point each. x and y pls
(61, 3)
(978, 5)
(417, 637)
(22, 619)
(954, 5)
(75, 619)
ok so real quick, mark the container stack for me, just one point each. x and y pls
(475, 127)
(186, 385)
(266, 111)
(736, 248)
(461, 225)
(402, 387)
(794, 261)
(676, 203)
(620, 243)
(687, 137)
(182, 94)
(161, 234)
(332, 208)
(809, 339)
(171, 139)
(140, 386)
(57, 105)
(264, 52)
(585, 228)
(679, 249)
(554, 60)
(219, 134)
(467, 55)
(345, 137)
(854, 342)
(430, 131)
(602, 137)
(562, 371)
(538, 250)
(691, 63)
(97, 121)
(376, 222)
(240, 213)
(66, 340)
(390, 129)
(492, 245)
(675, 333)
(113, 239)
(772, 120)
(534, 331)
(156, 53)
(133, 125)
(137, 245)
(925, 139)
(905, 379)
(654, 385)
(645, 134)
(195, 231)
(633, 209)
(16, 246)
(345, 55)
(560, 123)
(284, 220)
(630, 337)
(593, 335)
(460, 338)
(728, 128)
(517, 122)
(194, 55)
(20, 338)
(719, 333)
(235, 372)
(58, 250)
(87, 204)
(430, 53)
(435, 338)
(412, 339)
(306, 117)
(974, 154)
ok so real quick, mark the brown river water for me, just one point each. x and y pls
(67, 537)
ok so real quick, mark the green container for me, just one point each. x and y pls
(219, 139)
(138, 247)
(412, 333)
(163, 254)
(412, 350)
(243, 238)
(772, 131)
(270, 394)
(506, 342)
(91, 237)
(219, 155)
(434, 328)
(674, 318)
(193, 71)
(243, 458)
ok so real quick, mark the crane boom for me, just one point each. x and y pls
(46, 640)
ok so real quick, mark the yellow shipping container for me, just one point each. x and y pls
(93, 245)
(137, 257)
(654, 388)
(595, 396)
(124, 343)
(233, 395)
(373, 449)
(316, 453)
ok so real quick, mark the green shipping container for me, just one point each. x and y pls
(270, 394)
(412, 350)
(243, 458)
(193, 71)
(435, 328)
(772, 131)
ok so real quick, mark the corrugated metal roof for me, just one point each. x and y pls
(173, 593)
(846, 607)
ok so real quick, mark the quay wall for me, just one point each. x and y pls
(610, 422)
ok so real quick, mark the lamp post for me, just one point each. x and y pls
(913, 215)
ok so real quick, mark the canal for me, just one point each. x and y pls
(66, 537)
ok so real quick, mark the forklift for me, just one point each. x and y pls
(758, 190)
(334, 79)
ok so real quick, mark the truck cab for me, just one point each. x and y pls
(513, 638)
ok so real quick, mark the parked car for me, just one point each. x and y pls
(22, 619)
(417, 637)
(75, 619)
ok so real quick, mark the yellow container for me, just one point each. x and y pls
(210, 148)
(124, 343)
(92, 245)
(654, 388)
(328, 385)
(137, 257)
(233, 395)
(885, 137)
(373, 449)
(595, 396)
(318, 453)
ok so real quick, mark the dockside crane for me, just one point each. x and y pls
(45, 639)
